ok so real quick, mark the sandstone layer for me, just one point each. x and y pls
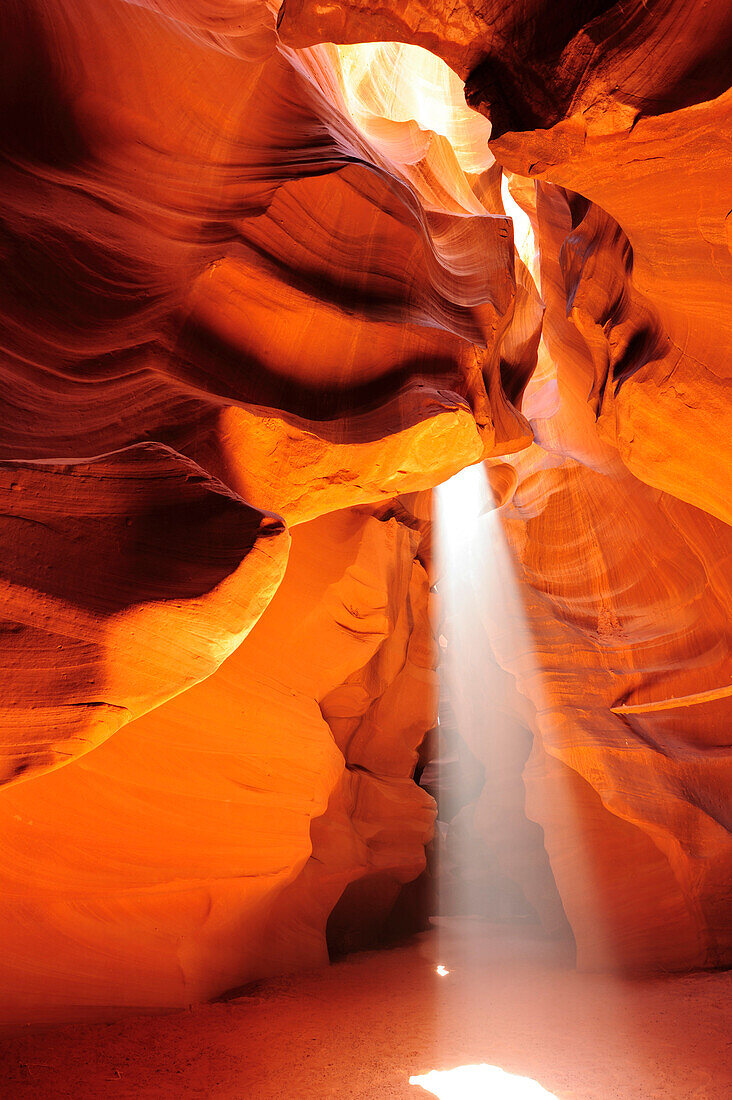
(269, 277)
(609, 123)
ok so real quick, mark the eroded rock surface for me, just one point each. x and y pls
(127, 578)
(255, 289)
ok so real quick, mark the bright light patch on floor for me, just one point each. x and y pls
(482, 1082)
(442, 970)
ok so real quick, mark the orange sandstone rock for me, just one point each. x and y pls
(627, 106)
(128, 578)
(175, 875)
(251, 285)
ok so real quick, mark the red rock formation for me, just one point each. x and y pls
(128, 578)
(623, 110)
(630, 772)
(166, 861)
(207, 253)
(627, 106)
(252, 287)
(245, 194)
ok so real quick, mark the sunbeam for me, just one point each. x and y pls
(480, 619)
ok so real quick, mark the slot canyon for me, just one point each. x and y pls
(366, 482)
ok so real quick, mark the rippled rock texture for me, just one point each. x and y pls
(256, 288)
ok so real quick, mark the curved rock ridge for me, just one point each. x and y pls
(630, 780)
(530, 65)
(611, 120)
(244, 28)
(184, 869)
(631, 767)
(626, 106)
(195, 253)
(256, 290)
(249, 312)
(653, 402)
(127, 579)
(627, 598)
(371, 839)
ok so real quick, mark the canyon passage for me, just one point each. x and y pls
(365, 482)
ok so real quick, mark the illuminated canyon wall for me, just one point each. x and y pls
(259, 294)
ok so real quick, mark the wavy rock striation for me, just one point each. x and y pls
(185, 868)
(256, 289)
(627, 106)
(128, 578)
(224, 311)
(608, 121)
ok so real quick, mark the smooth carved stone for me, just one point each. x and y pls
(530, 65)
(631, 767)
(371, 839)
(208, 253)
(626, 105)
(191, 247)
(263, 287)
(127, 579)
(183, 870)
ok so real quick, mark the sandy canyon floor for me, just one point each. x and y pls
(359, 1029)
